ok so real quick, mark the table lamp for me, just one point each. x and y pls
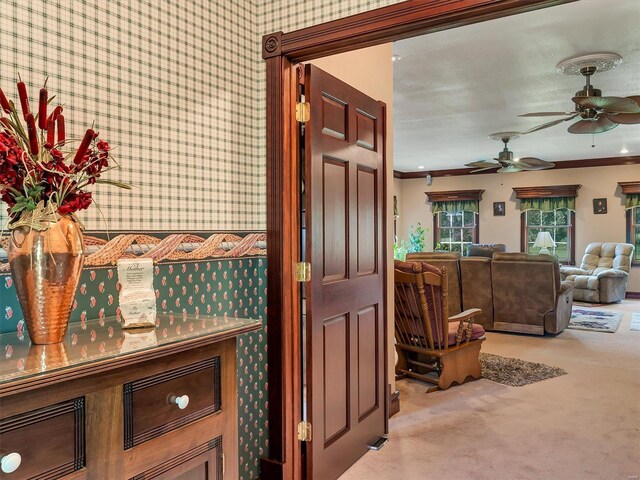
(544, 241)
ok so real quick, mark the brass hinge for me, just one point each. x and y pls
(303, 272)
(304, 431)
(222, 461)
(303, 112)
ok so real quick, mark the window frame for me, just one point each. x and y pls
(475, 229)
(549, 191)
(628, 188)
(455, 195)
(571, 243)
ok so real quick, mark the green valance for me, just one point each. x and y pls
(548, 204)
(633, 200)
(455, 206)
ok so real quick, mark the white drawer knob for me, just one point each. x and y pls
(10, 463)
(182, 401)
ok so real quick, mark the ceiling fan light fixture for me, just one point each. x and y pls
(509, 169)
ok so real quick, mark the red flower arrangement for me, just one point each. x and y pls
(41, 177)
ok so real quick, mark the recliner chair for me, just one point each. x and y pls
(603, 274)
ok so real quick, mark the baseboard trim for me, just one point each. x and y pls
(394, 403)
(633, 295)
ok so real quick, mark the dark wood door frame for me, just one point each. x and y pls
(281, 52)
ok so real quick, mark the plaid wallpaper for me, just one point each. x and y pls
(171, 84)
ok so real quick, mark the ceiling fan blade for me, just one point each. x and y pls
(600, 125)
(482, 164)
(626, 118)
(532, 163)
(483, 169)
(546, 114)
(609, 104)
(549, 124)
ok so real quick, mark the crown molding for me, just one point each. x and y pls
(584, 163)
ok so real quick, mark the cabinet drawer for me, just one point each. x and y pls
(202, 462)
(50, 441)
(157, 404)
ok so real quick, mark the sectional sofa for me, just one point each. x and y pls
(517, 292)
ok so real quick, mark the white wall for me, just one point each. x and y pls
(597, 182)
(370, 70)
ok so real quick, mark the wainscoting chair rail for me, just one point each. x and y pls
(174, 247)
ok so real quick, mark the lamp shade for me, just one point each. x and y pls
(544, 241)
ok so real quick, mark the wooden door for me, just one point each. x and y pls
(345, 327)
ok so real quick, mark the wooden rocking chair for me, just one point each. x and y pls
(432, 346)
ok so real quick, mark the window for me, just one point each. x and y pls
(557, 223)
(455, 219)
(549, 209)
(631, 191)
(456, 230)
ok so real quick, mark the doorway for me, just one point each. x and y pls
(282, 52)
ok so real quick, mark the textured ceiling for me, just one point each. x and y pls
(453, 88)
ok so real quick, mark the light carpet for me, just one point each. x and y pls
(579, 426)
(596, 320)
(515, 372)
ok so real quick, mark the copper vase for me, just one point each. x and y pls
(46, 266)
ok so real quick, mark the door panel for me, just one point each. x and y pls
(335, 204)
(345, 330)
(334, 117)
(336, 359)
(367, 206)
(368, 357)
(366, 126)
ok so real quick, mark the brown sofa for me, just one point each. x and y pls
(528, 296)
(517, 292)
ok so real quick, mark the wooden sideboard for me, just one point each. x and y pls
(110, 404)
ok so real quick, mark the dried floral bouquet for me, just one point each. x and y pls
(42, 177)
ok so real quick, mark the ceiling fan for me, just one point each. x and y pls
(597, 114)
(505, 161)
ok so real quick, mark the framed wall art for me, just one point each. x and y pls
(599, 205)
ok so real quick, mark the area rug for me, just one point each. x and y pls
(596, 320)
(515, 372)
(635, 321)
